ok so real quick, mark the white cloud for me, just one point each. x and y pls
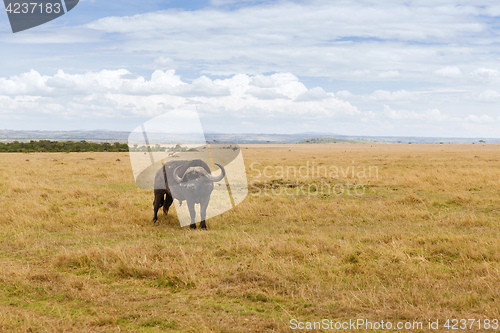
(485, 72)
(367, 40)
(489, 95)
(271, 103)
(162, 63)
(428, 115)
(262, 81)
(202, 87)
(449, 72)
(389, 74)
(479, 119)
(230, 2)
(326, 19)
(422, 57)
(485, 75)
(359, 73)
(60, 83)
(24, 84)
(431, 117)
(369, 116)
(265, 94)
(314, 94)
(169, 83)
(117, 94)
(345, 94)
(383, 95)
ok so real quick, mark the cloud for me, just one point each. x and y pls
(345, 94)
(367, 40)
(262, 81)
(169, 83)
(479, 119)
(360, 41)
(418, 56)
(60, 83)
(389, 74)
(430, 114)
(231, 2)
(25, 84)
(314, 94)
(162, 63)
(272, 103)
(489, 95)
(383, 95)
(201, 87)
(449, 72)
(485, 75)
(265, 94)
(485, 72)
(359, 73)
(378, 20)
(115, 94)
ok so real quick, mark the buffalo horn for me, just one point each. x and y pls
(216, 179)
(177, 178)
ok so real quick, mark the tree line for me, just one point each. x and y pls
(48, 146)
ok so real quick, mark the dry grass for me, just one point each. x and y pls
(79, 252)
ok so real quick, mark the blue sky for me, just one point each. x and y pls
(424, 68)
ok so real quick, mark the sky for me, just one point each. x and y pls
(374, 68)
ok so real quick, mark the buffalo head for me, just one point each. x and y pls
(196, 175)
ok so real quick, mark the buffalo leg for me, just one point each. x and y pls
(203, 214)
(167, 204)
(192, 213)
(159, 201)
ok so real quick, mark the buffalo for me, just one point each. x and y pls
(189, 181)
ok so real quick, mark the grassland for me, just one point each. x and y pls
(79, 252)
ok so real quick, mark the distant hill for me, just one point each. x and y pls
(322, 140)
(257, 138)
(94, 136)
(245, 138)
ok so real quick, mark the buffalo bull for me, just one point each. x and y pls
(189, 181)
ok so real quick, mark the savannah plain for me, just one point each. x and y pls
(79, 251)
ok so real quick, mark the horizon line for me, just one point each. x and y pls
(319, 134)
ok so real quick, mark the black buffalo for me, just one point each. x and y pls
(186, 180)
